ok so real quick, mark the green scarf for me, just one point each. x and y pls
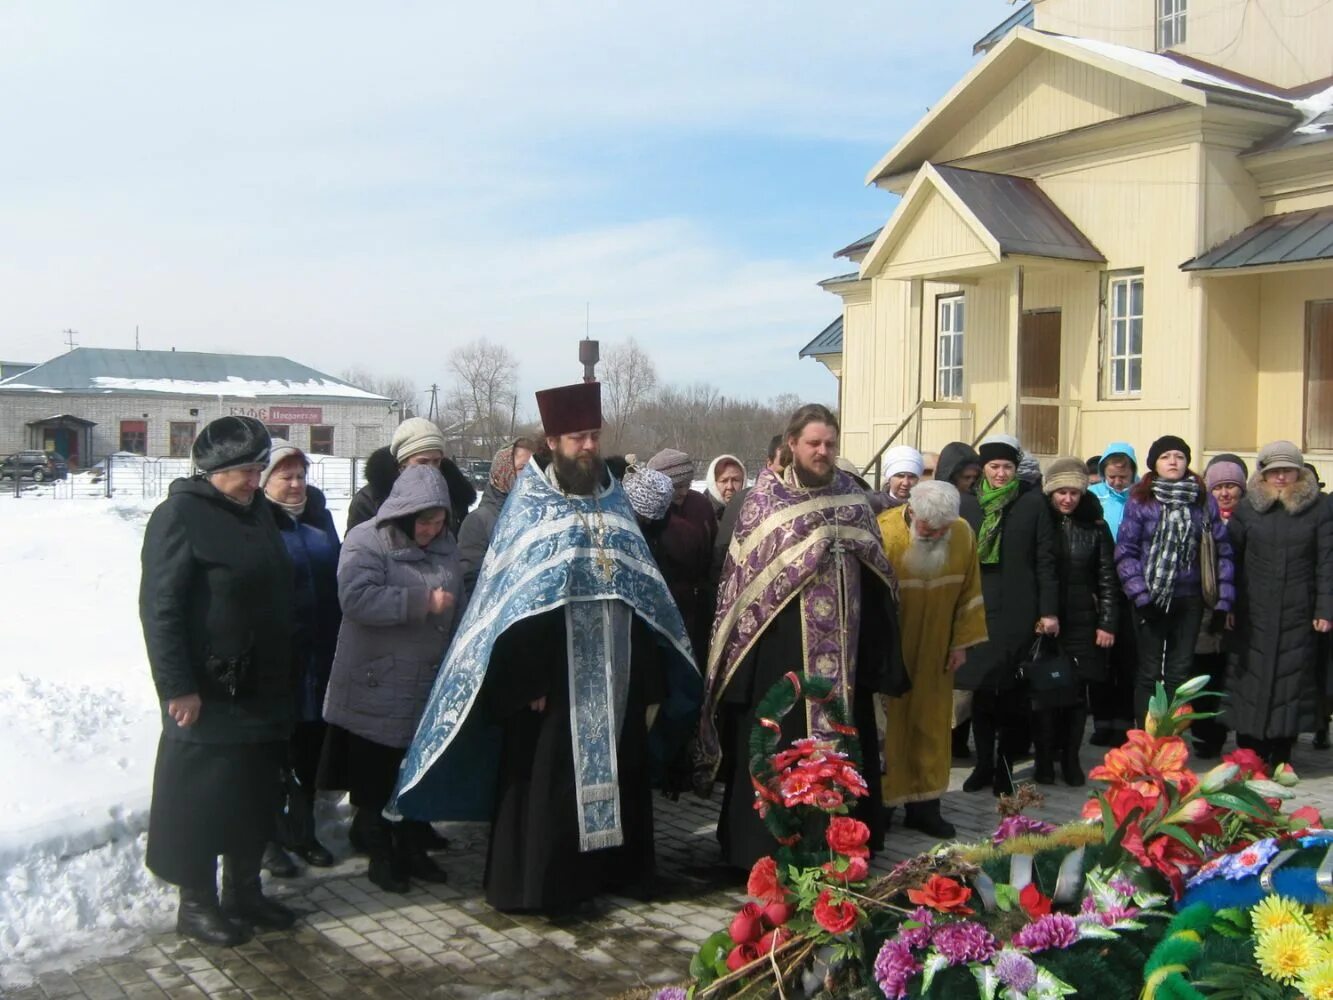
(994, 499)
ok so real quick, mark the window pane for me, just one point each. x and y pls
(946, 315)
(1136, 336)
(1136, 297)
(958, 383)
(1117, 376)
(958, 350)
(321, 440)
(1118, 338)
(1136, 375)
(958, 315)
(1118, 298)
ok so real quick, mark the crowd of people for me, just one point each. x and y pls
(593, 629)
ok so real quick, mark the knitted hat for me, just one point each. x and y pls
(649, 492)
(229, 443)
(903, 458)
(413, 436)
(569, 408)
(1227, 456)
(675, 464)
(1280, 455)
(1029, 469)
(1164, 444)
(1000, 446)
(279, 451)
(1221, 472)
(1066, 473)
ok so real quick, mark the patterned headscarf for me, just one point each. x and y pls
(502, 469)
(649, 492)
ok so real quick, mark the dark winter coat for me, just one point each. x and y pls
(389, 646)
(474, 538)
(215, 600)
(1021, 588)
(953, 459)
(382, 473)
(1137, 528)
(313, 547)
(1089, 587)
(1284, 555)
(726, 527)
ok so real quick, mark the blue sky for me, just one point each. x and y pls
(354, 184)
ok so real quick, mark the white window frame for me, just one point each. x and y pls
(1121, 321)
(950, 334)
(1170, 23)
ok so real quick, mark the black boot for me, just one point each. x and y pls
(1071, 768)
(1102, 735)
(425, 835)
(1277, 752)
(960, 748)
(388, 857)
(243, 895)
(362, 831)
(277, 863)
(411, 842)
(925, 816)
(298, 833)
(983, 731)
(1321, 736)
(1043, 732)
(200, 917)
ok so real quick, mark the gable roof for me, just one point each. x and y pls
(1291, 238)
(1182, 82)
(860, 246)
(827, 341)
(1023, 17)
(246, 376)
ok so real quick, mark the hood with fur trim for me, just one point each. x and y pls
(382, 473)
(1262, 495)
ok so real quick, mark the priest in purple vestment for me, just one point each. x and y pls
(805, 587)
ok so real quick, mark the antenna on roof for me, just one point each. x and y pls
(136, 336)
(69, 338)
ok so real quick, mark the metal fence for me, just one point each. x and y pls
(137, 477)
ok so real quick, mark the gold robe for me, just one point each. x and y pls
(935, 616)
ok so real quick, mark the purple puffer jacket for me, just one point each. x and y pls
(1131, 553)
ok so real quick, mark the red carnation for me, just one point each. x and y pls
(836, 918)
(848, 836)
(1251, 765)
(741, 956)
(763, 883)
(857, 869)
(775, 938)
(777, 914)
(747, 925)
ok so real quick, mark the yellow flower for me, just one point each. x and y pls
(1285, 954)
(1317, 983)
(1321, 918)
(1275, 912)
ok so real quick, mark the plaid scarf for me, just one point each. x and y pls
(1174, 543)
(993, 499)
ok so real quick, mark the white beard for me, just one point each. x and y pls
(926, 558)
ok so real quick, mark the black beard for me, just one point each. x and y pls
(808, 478)
(577, 478)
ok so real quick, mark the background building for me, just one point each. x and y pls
(1102, 236)
(91, 402)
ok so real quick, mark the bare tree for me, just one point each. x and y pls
(396, 387)
(628, 377)
(481, 408)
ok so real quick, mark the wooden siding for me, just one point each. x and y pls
(1125, 22)
(1281, 392)
(1231, 199)
(1052, 94)
(936, 234)
(1231, 387)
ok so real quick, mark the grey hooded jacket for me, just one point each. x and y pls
(389, 647)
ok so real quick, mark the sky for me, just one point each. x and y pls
(373, 185)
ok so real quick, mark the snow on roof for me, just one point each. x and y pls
(232, 386)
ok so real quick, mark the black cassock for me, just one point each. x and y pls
(534, 862)
(779, 650)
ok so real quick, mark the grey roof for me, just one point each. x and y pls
(1021, 18)
(8, 369)
(864, 243)
(101, 370)
(1020, 215)
(1292, 238)
(828, 341)
(1317, 126)
(841, 279)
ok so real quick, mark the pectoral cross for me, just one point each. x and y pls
(605, 564)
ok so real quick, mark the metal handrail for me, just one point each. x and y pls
(875, 463)
(991, 423)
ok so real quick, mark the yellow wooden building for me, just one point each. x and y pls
(1119, 224)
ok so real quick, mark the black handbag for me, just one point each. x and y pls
(1051, 675)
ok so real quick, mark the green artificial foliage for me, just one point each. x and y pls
(953, 983)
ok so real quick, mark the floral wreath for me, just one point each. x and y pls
(815, 772)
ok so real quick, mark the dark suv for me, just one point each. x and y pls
(38, 466)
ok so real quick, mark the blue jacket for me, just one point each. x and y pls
(1113, 501)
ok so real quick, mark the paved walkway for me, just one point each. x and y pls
(445, 942)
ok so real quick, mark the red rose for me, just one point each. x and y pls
(763, 883)
(741, 956)
(777, 914)
(942, 894)
(857, 869)
(775, 938)
(1033, 901)
(836, 918)
(1250, 763)
(747, 925)
(848, 836)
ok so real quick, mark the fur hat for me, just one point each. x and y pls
(279, 451)
(1000, 447)
(901, 459)
(1168, 442)
(676, 465)
(229, 443)
(569, 408)
(1280, 455)
(1066, 473)
(413, 436)
(649, 492)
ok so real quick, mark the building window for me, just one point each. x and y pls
(321, 439)
(182, 438)
(949, 347)
(1170, 23)
(1124, 334)
(283, 431)
(134, 436)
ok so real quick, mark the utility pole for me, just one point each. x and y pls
(433, 413)
(136, 336)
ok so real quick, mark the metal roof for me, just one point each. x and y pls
(1020, 215)
(102, 370)
(864, 243)
(841, 279)
(828, 341)
(1021, 18)
(1292, 238)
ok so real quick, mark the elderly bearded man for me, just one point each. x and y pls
(805, 587)
(934, 554)
(550, 677)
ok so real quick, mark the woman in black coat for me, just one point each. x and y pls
(1089, 592)
(1016, 549)
(215, 599)
(1282, 537)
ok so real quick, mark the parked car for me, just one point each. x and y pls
(478, 470)
(38, 466)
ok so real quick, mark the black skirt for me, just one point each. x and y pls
(210, 799)
(367, 770)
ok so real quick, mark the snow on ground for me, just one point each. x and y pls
(79, 724)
